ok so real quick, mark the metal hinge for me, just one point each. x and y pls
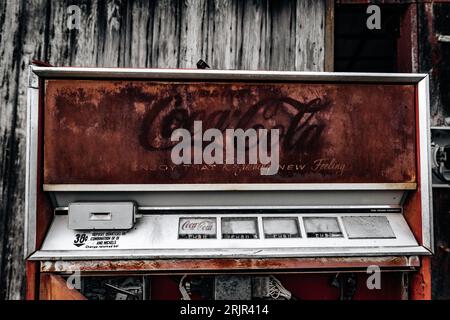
(33, 79)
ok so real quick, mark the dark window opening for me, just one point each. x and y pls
(441, 63)
(359, 49)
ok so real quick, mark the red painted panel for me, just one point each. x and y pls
(119, 131)
(302, 286)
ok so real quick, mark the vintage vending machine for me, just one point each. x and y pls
(210, 184)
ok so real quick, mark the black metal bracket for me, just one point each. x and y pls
(202, 64)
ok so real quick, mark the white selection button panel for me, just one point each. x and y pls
(286, 227)
(281, 227)
(222, 234)
(358, 227)
(239, 228)
(322, 227)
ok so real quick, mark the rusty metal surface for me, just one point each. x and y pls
(119, 131)
(54, 287)
(237, 265)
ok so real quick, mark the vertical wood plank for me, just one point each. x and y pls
(76, 47)
(166, 33)
(10, 36)
(192, 47)
(282, 35)
(254, 40)
(110, 24)
(24, 37)
(310, 39)
(329, 36)
(140, 31)
(221, 34)
(228, 34)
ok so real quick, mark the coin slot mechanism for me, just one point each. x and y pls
(100, 216)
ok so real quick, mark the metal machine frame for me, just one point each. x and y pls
(268, 255)
(37, 73)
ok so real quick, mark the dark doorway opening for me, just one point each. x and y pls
(359, 49)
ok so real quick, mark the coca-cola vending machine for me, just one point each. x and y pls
(211, 184)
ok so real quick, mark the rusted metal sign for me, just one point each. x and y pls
(121, 132)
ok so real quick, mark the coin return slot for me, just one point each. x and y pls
(322, 227)
(239, 228)
(100, 216)
(279, 228)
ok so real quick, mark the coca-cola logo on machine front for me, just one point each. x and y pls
(197, 228)
(229, 132)
(204, 225)
(247, 136)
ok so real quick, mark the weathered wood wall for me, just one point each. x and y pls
(228, 34)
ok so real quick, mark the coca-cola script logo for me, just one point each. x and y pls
(297, 121)
(196, 225)
(202, 129)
